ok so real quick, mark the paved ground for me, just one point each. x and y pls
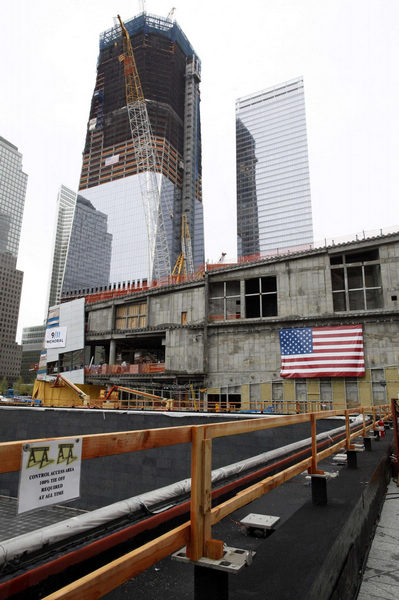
(381, 576)
(312, 549)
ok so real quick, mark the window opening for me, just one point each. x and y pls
(326, 396)
(356, 287)
(261, 297)
(131, 316)
(351, 392)
(224, 301)
(378, 386)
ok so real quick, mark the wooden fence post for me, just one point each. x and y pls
(348, 444)
(196, 543)
(313, 469)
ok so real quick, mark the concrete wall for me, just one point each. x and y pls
(303, 284)
(100, 320)
(106, 480)
(389, 258)
(168, 308)
(184, 351)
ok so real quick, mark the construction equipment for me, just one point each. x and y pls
(140, 127)
(171, 13)
(164, 402)
(184, 264)
(60, 380)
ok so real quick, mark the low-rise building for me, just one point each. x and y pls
(221, 334)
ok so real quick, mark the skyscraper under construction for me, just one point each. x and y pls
(169, 71)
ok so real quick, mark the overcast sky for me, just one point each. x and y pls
(346, 50)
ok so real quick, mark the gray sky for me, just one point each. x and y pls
(346, 50)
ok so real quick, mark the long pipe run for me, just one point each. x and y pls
(52, 534)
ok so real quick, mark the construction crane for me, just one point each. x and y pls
(140, 127)
(170, 14)
(222, 257)
(184, 264)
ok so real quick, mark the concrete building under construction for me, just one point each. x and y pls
(218, 337)
(111, 178)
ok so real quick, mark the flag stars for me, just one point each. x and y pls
(296, 341)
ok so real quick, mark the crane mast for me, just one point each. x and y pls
(140, 127)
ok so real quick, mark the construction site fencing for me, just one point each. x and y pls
(196, 534)
(129, 369)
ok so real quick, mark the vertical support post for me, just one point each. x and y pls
(395, 465)
(313, 470)
(196, 543)
(364, 423)
(314, 442)
(348, 445)
(112, 352)
(210, 584)
(367, 443)
(207, 492)
(319, 490)
(201, 542)
(352, 459)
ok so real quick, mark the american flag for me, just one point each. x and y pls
(322, 352)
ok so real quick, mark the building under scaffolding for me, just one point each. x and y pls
(169, 71)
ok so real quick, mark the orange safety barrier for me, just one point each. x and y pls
(195, 534)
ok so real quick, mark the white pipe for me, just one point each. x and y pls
(46, 536)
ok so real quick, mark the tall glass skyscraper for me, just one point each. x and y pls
(12, 199)
(81, 246)
(274, 208)
(169, 71)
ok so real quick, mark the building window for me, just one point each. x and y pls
(378, 385)
(356, 281)
(326, 396)
(224, 301)
(184, 318)
(277, 396)
(261, 297)
(351, 392)
(301, 395)
(131, 316)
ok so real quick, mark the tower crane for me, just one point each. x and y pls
(140, 127)
(171, 13)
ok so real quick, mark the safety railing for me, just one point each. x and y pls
(125, 369)
(195, 534)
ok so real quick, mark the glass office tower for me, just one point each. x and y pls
(12, 199)
(169, 71)
(81, 247)
(274, 208)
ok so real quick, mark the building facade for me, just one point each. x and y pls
(219, 336)
(32, 345)
(273, 186)
(169, 71)
(81, 247)
(13, 183)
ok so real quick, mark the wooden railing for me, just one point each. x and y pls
(195, 534)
